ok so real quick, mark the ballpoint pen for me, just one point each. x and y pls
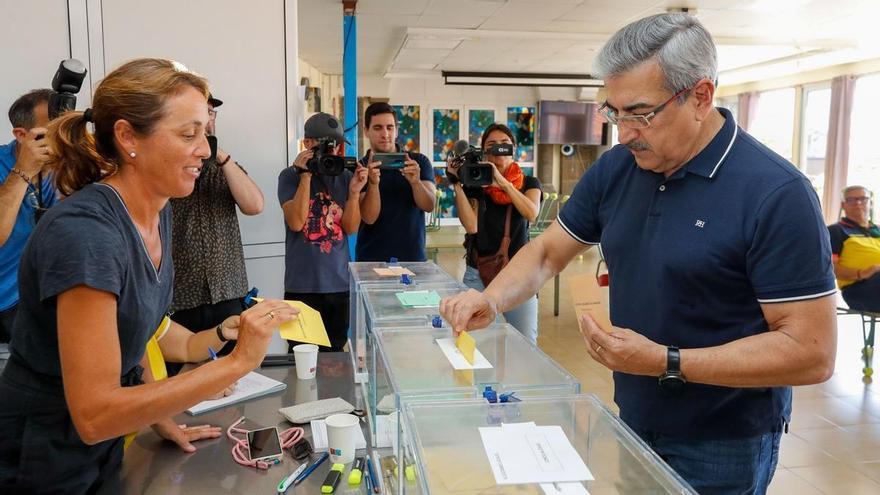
(311, 468)
(212, 353)
(286, 482)
(375, 480)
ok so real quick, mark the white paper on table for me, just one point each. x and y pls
(457, 360)
(542, 454)
(250, 386)
(319, 436)
(574, 488)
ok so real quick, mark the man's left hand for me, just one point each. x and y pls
(184, 435)
(411, 170)
(623, 350)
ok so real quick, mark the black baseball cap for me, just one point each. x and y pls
(323, 125)
(214, 101)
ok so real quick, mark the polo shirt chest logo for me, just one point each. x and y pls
(700, 223)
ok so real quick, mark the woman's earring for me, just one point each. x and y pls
(132, 154)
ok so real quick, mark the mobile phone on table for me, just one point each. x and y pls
(390, 161)
(264, 444)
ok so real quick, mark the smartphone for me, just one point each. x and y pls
(264, 444)
(390, 160)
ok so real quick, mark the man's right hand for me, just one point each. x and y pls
(373, 167)
(302, 159)
(468, 311)
(255, 330)
(33, 153)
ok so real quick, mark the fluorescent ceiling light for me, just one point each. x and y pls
(516, 79)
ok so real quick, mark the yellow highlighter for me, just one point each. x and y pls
(466, 345)
(357, 472)
(332, 479)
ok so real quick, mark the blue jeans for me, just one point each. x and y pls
(523, 317)
(720, 466)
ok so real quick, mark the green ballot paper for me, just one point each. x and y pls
(419, 299)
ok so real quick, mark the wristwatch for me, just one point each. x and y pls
(672, 380)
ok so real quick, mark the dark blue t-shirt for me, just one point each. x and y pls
(691, 259)
(316, 258)
(89, 239)
(399, 232)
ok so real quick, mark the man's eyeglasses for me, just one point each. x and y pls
(639, 120)
(853, 200)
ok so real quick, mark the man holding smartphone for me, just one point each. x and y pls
(24, 193)
(394, 205)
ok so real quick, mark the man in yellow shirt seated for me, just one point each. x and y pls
(855, 244)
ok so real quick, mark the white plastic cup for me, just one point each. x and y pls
(306, 356)
(341, 434)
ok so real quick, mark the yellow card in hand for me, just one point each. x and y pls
(308, 326)
(466, 345)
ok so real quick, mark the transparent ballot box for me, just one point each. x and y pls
(410, 365)
(364, 273)
(383, 308)
(446, 452)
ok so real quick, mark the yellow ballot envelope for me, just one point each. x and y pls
(588, 299)
(308, 326)
(467, 345)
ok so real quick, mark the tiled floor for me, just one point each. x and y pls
(834, 442)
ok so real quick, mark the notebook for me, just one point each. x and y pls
(250, 386)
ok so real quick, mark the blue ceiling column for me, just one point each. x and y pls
(349, 75)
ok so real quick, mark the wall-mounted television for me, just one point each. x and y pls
(570, 122)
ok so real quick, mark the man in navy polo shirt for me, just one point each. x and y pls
(719, 262)
(394, 205)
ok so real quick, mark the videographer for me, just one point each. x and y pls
(321, 207)
(492, 213)
(210, 279)
(25, 191)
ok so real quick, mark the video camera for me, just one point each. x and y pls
(474, 171)
(325, 162)
(66, 84)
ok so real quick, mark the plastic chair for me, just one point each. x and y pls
(869, 325)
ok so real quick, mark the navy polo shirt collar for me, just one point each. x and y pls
(709, 160)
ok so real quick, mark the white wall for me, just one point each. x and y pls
(34, 38)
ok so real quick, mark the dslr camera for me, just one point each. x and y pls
(65, 85)
(325, 162)
(474, 171)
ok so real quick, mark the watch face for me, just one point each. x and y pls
(672, 384)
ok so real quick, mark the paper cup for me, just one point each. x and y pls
(306, 357)
(341, 434)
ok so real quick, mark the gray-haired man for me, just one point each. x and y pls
(720, 265)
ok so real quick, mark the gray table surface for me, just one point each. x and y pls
(154, 466)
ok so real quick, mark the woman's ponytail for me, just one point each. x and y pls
(75, 161)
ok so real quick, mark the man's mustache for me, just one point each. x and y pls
(638, 146)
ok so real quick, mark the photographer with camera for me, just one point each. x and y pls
(210, 279)
(495, 214)
(320, 198)
(25, 192)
